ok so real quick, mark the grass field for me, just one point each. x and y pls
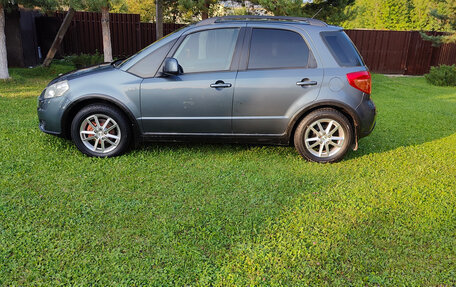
(224, 215)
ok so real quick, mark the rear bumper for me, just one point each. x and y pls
(367, 113)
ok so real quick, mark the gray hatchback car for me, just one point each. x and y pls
(267, 80)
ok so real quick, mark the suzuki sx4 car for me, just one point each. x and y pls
(265, 80)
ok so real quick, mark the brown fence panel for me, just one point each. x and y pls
(148, 34)
(84, 34)
(125, 34)
(382, 51)
(400, 52)
(444, 55)
(390, 52)
(128, 34)
(419, 55)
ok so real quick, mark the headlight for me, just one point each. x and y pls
(56, 90)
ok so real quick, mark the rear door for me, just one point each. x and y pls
(278, 75)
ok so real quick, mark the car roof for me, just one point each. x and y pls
(262, 19)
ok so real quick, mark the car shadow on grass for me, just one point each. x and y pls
(410, 112)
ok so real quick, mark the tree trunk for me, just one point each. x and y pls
(59, 37)
(205, 12)
(105, 30)
(159, 16)
(3, 56)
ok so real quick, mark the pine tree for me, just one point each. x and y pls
(447, 22)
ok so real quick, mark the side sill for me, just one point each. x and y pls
(269, 139)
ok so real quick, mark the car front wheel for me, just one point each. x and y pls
(100, 131)
(324, 136)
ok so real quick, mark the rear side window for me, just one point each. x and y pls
(274, 48)
(342, 49)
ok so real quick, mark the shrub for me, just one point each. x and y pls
(442, 76)
(85, 60)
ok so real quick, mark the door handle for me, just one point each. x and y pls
(220, 85)
(306, 82)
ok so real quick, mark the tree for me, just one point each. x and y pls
(159, 18)
(447, 22)
(3, 56)
(331, 11)
(145, 8)
(392, 14)
(106, 32)
(197, 7)
(103, 6)
(380, 14)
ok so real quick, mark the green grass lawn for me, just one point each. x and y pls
(223, 215)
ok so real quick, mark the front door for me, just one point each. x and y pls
(200, 99)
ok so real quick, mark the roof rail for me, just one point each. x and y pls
(255, 18)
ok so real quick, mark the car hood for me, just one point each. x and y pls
(83, 72)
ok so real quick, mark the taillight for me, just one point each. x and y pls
(361, 81)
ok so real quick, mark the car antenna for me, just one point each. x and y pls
(317, 13)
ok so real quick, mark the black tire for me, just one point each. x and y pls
(333, 150)
(120, 125)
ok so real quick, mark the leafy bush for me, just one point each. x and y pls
(85, 60)
(442, 76)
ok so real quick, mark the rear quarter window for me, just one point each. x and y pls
(342, 49)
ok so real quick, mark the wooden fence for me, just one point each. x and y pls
(400, 52)
(392, 52)
(128, 34)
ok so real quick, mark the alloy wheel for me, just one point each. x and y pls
(100, 133)
(324, 137)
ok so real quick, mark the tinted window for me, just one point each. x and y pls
(342, 49)
(206, 51)
(272, 48)
(148, 66)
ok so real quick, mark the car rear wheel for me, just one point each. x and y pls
(100, 131)
(324, 136)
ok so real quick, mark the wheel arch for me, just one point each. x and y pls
(346, 110)
(77, 105)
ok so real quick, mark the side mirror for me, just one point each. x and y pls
(171, 67)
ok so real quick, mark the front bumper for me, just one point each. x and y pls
(50, 114)
(367, 113)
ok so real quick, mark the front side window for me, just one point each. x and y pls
(274, 48)
(206, 51)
